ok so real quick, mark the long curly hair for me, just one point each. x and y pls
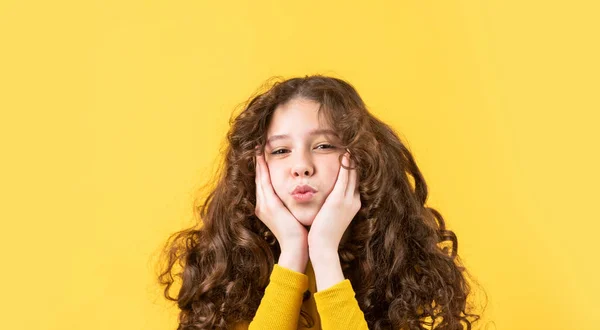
(397, 253)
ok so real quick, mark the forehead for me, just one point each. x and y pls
(297, 116)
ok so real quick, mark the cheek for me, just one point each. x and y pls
(330, 176)
(277, 179)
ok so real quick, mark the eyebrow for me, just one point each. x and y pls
(311, 133)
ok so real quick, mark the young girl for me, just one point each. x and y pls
(317, 221)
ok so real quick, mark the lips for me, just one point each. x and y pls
(303, 189)
(303, 193)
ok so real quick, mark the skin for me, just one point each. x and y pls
(295, 155)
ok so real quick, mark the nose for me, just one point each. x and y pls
(303, 166)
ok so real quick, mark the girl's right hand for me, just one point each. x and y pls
(291, 234)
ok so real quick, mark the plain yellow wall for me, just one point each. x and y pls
(113, 112)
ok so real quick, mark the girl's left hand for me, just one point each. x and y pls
(337, 212)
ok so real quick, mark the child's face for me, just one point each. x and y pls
(300, 151)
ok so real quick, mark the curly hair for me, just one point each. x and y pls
(392, 252)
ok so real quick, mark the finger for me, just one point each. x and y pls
(256, 169)
(264, 177)
(257, 180)
(256, 165)
(342, 179)
(266, 185)
(352, 180)
(258, 177)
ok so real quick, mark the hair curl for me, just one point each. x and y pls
(404, 278)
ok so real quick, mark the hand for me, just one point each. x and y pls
(290, 233)
(337, 212)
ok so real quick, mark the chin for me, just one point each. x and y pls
(305, 217)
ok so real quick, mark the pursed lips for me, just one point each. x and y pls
(303, 193)
(303, 189)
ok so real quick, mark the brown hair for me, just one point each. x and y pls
(392, 253)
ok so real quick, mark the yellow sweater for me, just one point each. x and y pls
(331, 309)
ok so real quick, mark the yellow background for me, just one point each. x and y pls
(113, 113)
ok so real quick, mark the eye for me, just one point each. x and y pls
(325, 146)
(279, 151)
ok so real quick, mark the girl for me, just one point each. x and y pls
(317, 221)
